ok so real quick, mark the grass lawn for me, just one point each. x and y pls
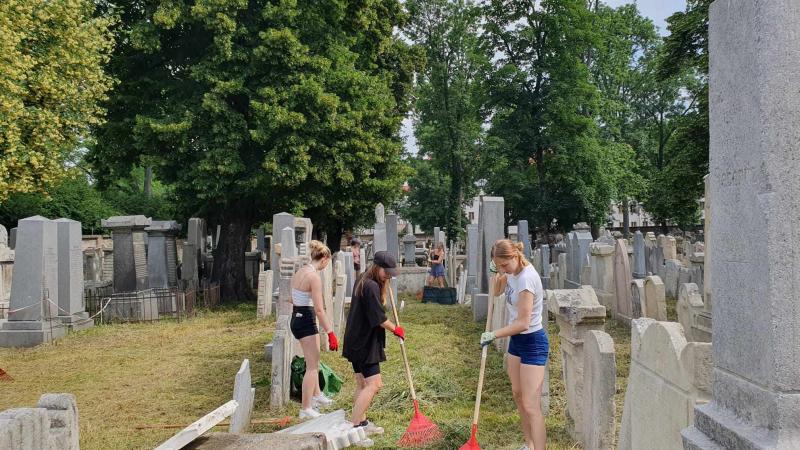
(175, 372)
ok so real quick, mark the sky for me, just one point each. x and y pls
(658, 10)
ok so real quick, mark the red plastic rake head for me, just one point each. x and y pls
(420, 432)
(472, 443)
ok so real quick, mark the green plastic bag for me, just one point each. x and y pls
(329, 382)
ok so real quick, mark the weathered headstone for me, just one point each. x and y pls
(696, 321)
(193, 252)
(639, 263)
(602, 275)
(622, 282)
(130, 257)
(244, 394)
(581, 238)
(392, 243)
(162, 253)
(34, 293)
(379, 239)
(339, 297)
(577, 312)
(264, 300)
(524, 237)
(668, 376)
(71, 307)
(380, 215)
(655, 299)
(409, 247)
(599, 387)
(545, 275)
(12, 238)
(754, 174)
(436, 235)
(279, 222)
(492, 217)
(637, 299)
(472, 259)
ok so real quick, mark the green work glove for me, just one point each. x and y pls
(487, 338)
(492, 267)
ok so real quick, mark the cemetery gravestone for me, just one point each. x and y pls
(755, 182)
(279, 222)
(130, 257)
(34, 292)
(162, 253)
(71, 307)
(639, 264)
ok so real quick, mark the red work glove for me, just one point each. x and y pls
(333, 343)
(399, 332)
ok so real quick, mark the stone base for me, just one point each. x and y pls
(230, 441)
(716, 429)
(480, 307)
(29, 333)
(77, 322)
(411, 279)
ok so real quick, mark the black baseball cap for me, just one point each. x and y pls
(386, 261)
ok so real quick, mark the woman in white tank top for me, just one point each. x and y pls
(307, 307)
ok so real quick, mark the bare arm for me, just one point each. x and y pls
(319, 303)
(388, 325)
(523, 320)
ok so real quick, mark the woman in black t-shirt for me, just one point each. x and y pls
(365, 335)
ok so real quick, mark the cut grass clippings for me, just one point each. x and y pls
(175, 372)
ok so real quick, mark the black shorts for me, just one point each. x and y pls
(367, 370)
(303, 322)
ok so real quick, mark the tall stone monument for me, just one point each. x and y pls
(71, 306)
(524, 237)
(130, 258)
(491, 225)
(34, 293)
(392, 241)
(162, 253)
(279, 222)
(639, 263)
(754, 95)
(379, 239)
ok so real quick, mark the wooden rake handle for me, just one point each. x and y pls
(403, 347)
(484, 352)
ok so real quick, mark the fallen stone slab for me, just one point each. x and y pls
(259, 441)
(337, 429)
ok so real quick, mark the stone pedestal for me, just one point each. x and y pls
(577, 312)
(602, 274)
(754, 95)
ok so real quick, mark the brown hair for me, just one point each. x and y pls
(318, 250)
(506, 249)
(372, 273)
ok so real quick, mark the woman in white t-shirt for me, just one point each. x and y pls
(528, 348)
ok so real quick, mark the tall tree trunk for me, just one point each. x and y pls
(334, 233)
(229, 266)
(148, 182)
(454, 216)
(626, 220)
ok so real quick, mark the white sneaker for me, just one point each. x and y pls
(321, 400)
(309, 413)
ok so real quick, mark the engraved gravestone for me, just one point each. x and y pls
(754, 95)
(71, 307)
(130, 258)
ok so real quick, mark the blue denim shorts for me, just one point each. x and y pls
(532, 348)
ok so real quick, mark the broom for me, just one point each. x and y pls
(472, 443)
(421, 431)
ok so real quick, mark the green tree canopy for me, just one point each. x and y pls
(450, 101)
(249, 108)
(52, 81)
